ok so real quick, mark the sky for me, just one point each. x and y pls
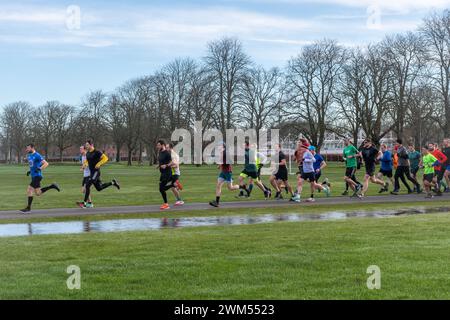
(61, 50)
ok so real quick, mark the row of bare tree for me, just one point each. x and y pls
(400, 85)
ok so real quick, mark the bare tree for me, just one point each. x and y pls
(312, 77)
(227, 64)
(63, 128)
(406, 54)
(436, 34)
(262, 95)
(15, 122)
(133, 98)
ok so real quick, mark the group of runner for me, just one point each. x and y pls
(406, 162)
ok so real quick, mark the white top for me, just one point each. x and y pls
(86, 171)
(176, 160)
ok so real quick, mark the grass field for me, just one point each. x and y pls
(282, 260)
(139, 185)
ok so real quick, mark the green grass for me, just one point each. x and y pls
(139, 185)
(284, 260)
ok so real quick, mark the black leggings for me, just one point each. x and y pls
(95, 181)
(165, 183)
(400, 173)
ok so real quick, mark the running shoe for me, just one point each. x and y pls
(179, 203)
(82, 204)
(56, 186)
(89, 205)
(429, 196)
(25, 210)
(394, 192)
(311, 200)
(296, 198)
(357, 190)
(178, 185)
(327, 190)
(213, 203)
(116, 184)
(345, 193)
(165, 206)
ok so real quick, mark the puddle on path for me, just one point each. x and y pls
(76, 227)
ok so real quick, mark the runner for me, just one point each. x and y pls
(350, 155)
(438, 169)
(446, 151)
(225, 176)
(37, 163)
(176, 185)
(319, 165)
(429, 162)
(403, 170)
(414, 160)
(370, 154)
(86, 175)
(302, 147)
(94, 160)
(280, 175)
(251, 171)
(165, 169)
(385, 159)
(261, 160)
(309, 174)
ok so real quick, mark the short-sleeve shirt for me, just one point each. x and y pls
(319, 160)
(386, 161)
(428, 161)
(93, 158)
(414, 159)
(34, 161)
(351, 151)
(369, 155)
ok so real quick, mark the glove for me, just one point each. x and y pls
(28, 173)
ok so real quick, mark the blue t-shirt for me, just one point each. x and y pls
(34, 160)
(319, 160)
(386, 161)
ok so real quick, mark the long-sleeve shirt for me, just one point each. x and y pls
(440, 157)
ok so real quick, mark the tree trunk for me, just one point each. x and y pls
(129, 157)
(118, 147)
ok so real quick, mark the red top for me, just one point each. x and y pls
(442, 158)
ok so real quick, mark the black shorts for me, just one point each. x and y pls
(350, 172)
(282, 174)
(317, 175)
(85, 181)
(300, 169)
(309, 176)
(165, 180)
(251, 174)
(35, 182)
(428, 177)
(386, 173)
(440, 174)
(370, 169)
(175, 178)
